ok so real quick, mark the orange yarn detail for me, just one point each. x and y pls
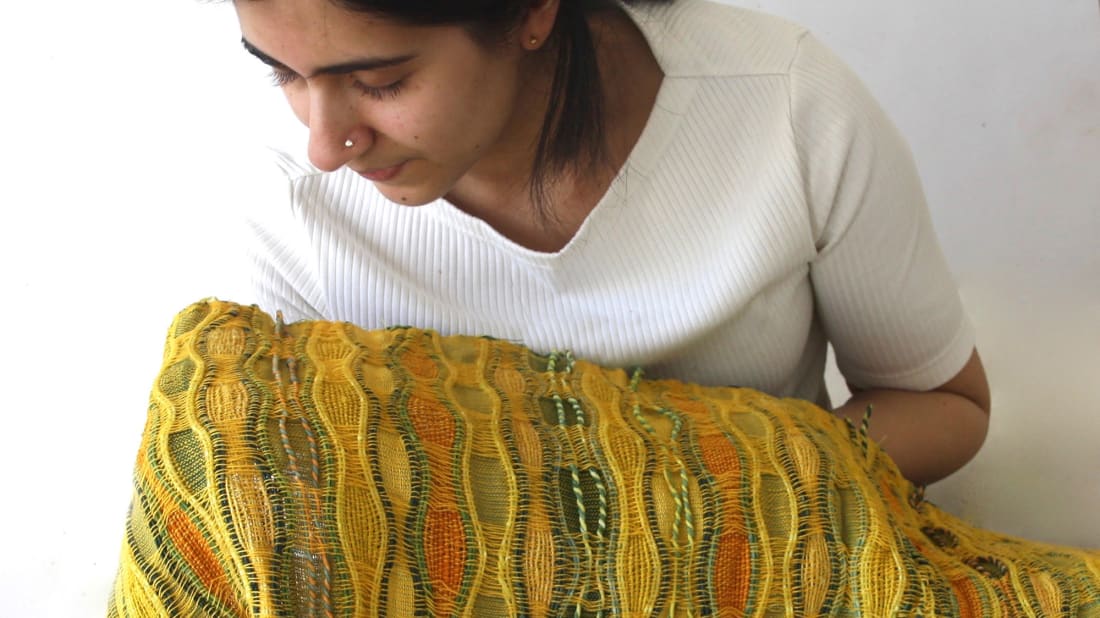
(732, 560)
(431, 421)
(732, 571)
(970, 604)
(720, 457)
(446, 555)
(419, 364)
(201, 558)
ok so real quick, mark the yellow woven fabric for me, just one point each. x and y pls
(318, 469)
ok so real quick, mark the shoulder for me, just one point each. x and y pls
(293, 189)
(292, 202)
(292, 168)
(273, 173)
(704, 38)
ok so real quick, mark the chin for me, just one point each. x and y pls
(407, 196)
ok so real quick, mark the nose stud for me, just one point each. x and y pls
(348, 143)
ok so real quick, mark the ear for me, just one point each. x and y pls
(537, 25)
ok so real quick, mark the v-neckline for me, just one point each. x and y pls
(671, 100)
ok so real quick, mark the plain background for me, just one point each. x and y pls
(128, 130)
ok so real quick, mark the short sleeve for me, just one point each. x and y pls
(883, 289)
(280, 252)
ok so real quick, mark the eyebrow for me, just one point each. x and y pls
(362, 64)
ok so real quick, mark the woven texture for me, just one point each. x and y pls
(318, 469)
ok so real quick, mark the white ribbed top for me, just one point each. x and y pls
(768, 205)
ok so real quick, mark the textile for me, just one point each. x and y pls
(768, 207)
(318, 469)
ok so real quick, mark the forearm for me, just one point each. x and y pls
(929, 434)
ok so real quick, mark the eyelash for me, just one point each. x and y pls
(380, 93)
(281, 78)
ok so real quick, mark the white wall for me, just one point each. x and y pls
(1001, 103)
(125, 127)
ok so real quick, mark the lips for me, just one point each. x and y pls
(381, 174)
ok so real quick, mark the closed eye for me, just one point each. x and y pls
(388, 91)
(281, 76)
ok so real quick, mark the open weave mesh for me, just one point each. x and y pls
(318, 469)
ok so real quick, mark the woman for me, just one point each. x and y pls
(699, 190)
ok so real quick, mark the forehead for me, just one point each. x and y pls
(311, 27)
(316, 13)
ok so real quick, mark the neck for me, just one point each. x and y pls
(498, 190)
(499, 182)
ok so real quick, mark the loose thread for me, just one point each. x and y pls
(864, 429)
(320, 598)
(683, 528)
(575, 476)
(317, 509)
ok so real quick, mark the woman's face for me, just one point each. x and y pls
(423, 106)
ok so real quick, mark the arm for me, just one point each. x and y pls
(942, 428)
(883, 288)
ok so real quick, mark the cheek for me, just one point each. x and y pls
(299, 104)
(465, 115)
(427, 119)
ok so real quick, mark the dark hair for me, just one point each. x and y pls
(572, 135)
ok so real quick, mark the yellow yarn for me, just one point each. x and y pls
(321, 470)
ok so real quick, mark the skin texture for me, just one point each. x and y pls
(928, 434)
(458, 119)
(416, 114)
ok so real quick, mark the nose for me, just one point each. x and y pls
(337, 134)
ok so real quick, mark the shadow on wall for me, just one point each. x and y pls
(1038, 475)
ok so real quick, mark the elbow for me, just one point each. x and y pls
(971, 384)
